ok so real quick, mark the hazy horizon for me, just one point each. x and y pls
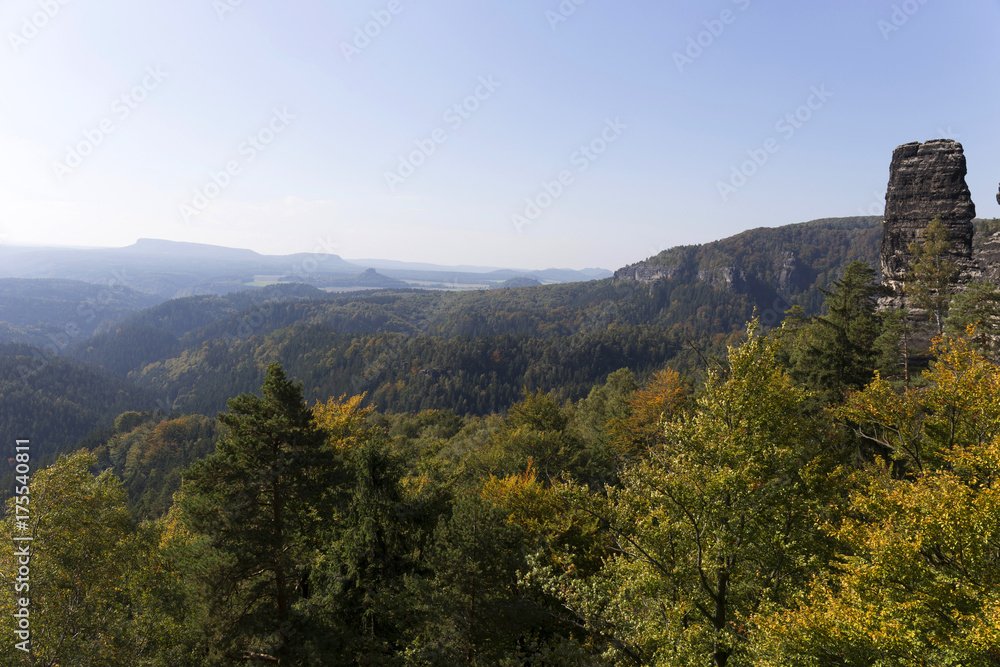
(561, 134)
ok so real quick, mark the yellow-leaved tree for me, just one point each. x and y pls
(93, 574)
(918, 581)
(716, 522)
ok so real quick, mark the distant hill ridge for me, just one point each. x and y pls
(792, 262)
(170, 269)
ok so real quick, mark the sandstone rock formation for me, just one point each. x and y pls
(926, 181)
(642, 273)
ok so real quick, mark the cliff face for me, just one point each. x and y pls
(986, 254)
(642, 273)
(926, 181)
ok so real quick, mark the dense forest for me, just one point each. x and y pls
(816, 496)
(609, 473)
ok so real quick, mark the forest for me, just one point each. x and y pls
(403, 349)
(822, 492)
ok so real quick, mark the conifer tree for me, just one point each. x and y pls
(933, 272)
(836, 352)
(256, 502)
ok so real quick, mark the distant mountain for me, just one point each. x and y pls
(417, 272)
(370, 279)
(171, 269)
(167, 268)
(396, 265)
(471, 351)
(215, 253)
(520, 281)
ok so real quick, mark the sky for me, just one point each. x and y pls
(516, 133)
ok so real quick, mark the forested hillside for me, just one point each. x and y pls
(793, 263)
(57, 401)
(815, 500)
(61, 313)
(411, 350)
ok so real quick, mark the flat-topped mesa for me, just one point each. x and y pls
(926, 181)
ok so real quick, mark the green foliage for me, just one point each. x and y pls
(932, 272)
(786, 266)
(837, 352)
(55, 402)
(538, 433)
(256, 503)
(151, 454)
(713, 525)
(979, 307)
(92, 573)
(917, 581)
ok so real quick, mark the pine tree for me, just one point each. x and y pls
(256, 502)
(836, 352)
(933, 272)
(977, 306)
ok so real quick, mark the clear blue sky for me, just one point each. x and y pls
(202, 76)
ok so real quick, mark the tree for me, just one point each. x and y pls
(917, 580)
(716, 522)
(90, 571)
(359, 572)
(978, 306)
(663, 396)
(836, 352)
(537, 431)
(469, 611)
(892, 347)
(932, 272)
(256, 503)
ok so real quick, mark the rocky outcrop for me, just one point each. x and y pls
(726, 277)
(986, 253)
(642, 273)
(790, 278)
(926, 181)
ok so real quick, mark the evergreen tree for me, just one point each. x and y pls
(359, 575)
(836, 352)
(257, 502)
(977, 306)
(932, 272)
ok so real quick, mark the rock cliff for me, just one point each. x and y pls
(926, 181)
